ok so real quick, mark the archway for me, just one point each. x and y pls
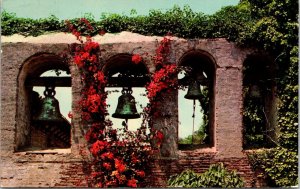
(28, 135)
(200, 69)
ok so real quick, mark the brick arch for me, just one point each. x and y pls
(41, 62)
(209, 60)
(259, 79)
(32, 67)
(201, 60)
(121, 61)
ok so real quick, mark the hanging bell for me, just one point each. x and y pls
(126, 106)
(194, 91)
(49, 111)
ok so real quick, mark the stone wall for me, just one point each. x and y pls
(68, 167)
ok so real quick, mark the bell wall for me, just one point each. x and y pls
(23, 57)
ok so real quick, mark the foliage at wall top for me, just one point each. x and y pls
(228, 22)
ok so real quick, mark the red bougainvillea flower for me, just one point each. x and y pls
(78, 61)
(91, 46)
(120, 143)
(107, 166)
(163, 50)
(101, 77)
(159, 137)
(120, 166)
(92, 58)
(85, 116)
(140, 174)
(77, 34)
(132, 183)
(93, 103)
(91, 91)
(70, 115)
(98, 146)
(121, 178)
(107, 155)
(111, 184)
(85, 55)
(162, 79)
(134, 159)
(136, 58)
(87, 23)
(96, 174)
(91, 136)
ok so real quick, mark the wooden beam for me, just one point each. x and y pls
(133, 82)
(66, 81)
(43, 81)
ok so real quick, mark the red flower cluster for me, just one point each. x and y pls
(136, 58)
(132, 183)
(107, 165)
(94, 101)
(91, 46)
(159, 137)
(85, 57)
(98, 146)
(101, 77)
(140, 174)
(120, 165)
(107, 155)
(73, 30)
(163, 79)
(163, 50)
(119, 160)
(87, 23)
(96, 131)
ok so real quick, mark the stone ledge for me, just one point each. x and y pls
(67, 38)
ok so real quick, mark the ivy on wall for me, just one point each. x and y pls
(276, 30)
(271, 25)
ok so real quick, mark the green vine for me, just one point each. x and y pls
(276, 31)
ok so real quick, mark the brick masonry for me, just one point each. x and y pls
(26, 57)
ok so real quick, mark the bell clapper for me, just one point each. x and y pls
(193, 116)
(126, 124)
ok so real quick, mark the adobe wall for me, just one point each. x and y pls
(67, 168)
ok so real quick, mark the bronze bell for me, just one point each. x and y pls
(194, 91)
(126, 106)
(49, 111)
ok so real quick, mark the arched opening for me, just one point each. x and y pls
(196, 101)
(259, 92)
(35, 76)
(123, 74)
